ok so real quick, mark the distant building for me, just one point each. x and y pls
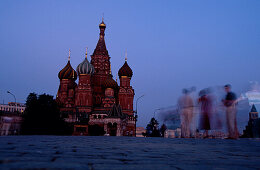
(140, 131)
(11, 118)
(12, 107)
(97, 105)
(169, 133)
(253, 128)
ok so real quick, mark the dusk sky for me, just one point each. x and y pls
(170, 44)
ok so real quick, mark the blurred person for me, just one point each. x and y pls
(219, 110)
(230, 104)
(185, 105)
(215, 117)
(206, 108)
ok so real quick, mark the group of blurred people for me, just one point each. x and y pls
(207, 106)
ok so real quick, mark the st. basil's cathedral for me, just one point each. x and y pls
(97, 105)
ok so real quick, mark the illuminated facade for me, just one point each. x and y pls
(97, 105)
(12, 107)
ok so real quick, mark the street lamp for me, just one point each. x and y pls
(136, 111)
(14, 99)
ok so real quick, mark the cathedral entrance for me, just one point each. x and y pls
(80, 130)
(96, 130)
(112, 129)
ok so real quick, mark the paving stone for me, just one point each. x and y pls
(74, 152)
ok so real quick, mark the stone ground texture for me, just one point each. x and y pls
(87, 152)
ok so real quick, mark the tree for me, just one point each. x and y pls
(152, 129)
(42, 117)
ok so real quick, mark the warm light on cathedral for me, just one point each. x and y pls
(97, 105)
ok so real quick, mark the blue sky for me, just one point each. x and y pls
(170, 45)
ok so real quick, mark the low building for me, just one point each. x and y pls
(11, 118)
(12, 107)
(140, 131)
(169, 133)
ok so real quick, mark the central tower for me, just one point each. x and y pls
(101, 62)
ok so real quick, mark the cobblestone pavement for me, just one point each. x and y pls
(73, 152)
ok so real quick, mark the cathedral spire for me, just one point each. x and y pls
(86, 52)
(100, 58)
(125, 56)
(69, 55)
(102, 27)
(101, 45)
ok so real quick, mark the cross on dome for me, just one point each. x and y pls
(125, 55)
(69, 55)
(86, 52)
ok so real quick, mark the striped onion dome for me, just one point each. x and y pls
(125, 70)
(85, 67)
(67, 72)
(110, 83)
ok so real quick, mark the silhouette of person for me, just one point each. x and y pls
(185, 104)
(230, 104)
(205, 111)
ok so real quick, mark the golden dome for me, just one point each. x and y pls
(102, 24)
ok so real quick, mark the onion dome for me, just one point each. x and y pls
(125, 70)
(110, 83)
(102, 24)
(68, 72)
(85, 67)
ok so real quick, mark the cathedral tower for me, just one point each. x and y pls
(253, 114)
(126, 92)
(101, 62)
(111, 87)
(66, 92)
(84, 92)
